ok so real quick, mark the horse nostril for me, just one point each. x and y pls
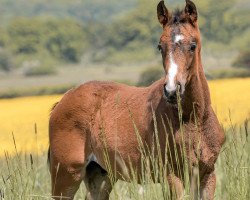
(166, 93)
(169, 94)
(172, 96)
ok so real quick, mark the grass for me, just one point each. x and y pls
(233, 165)
(26, 176)
(70, 75)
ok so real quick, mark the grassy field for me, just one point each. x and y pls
(25, 175)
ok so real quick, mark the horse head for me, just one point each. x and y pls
(180, 47)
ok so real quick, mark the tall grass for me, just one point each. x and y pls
(26, 176)
(233, 165)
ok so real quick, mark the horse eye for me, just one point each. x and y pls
(159, 47)
(193, 46)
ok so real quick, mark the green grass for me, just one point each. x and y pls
(26, 176)
(233, 165)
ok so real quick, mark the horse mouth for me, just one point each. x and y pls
(170, 99)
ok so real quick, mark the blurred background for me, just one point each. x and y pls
(47, 46)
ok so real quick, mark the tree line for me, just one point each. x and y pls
(130, 36)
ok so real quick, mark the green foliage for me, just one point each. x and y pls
(25, 175)
(233, 179)
(5, 61)
(243, 60)
(63, 39)
(149, 76)
(25, 35)
(220, 21)
(113, 31)
(67, 42)
(3, 38)
(133, 32)
(84, 10)
(40, 71)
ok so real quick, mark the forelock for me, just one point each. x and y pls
(178, 17)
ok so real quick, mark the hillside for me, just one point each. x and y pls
(98, 10)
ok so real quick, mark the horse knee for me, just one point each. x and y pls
(176, 186)
(208, 185)
(66, 179)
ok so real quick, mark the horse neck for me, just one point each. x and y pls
(197, 96)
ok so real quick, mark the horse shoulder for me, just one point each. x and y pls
(212, 139)
(212, 129)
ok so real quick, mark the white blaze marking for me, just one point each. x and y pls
(178, 38)
(171, 74)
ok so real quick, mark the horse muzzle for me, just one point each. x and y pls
(172, 95)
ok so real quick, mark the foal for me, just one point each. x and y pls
(97, 110)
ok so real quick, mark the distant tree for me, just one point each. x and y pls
(25, 35)
(149, 76)
(134, 31)
(40, 71)
(3, 38)
(5, 61)
(219, 21)
(65, 39)
(243, 60)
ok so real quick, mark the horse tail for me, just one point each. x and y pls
(48, 155)
(53, 107)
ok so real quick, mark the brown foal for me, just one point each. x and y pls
(96, 110)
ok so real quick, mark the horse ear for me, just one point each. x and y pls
(162, 13)
(191, 11)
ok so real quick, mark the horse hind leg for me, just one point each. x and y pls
(66, 182)
(97, 182)
(66, 160)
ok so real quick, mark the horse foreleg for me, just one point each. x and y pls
(176, 186)
(208, 184)
(65, 181)
(194, 191)
(66, 163)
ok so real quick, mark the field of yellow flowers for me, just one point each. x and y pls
(27, 118)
